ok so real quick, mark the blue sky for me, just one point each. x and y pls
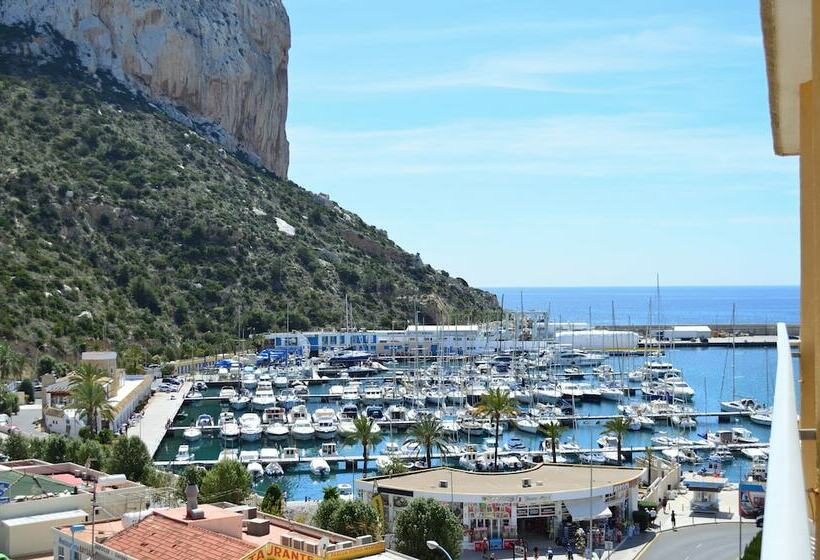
(549, 143)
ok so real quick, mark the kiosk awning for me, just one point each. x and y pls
(581, 509)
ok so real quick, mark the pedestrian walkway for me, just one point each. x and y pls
(161, 408)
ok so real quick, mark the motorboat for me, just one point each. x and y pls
(228, 454)
(515, 444)
(472, 426)
(239, 402)
(755, 453)
(290, 453)
(399, 413)
(273, 415)
(680, 455)
(267, 454)
(678, 388)
(226, 416)
(593, 458)
(335, 391)
(280, 381)
(277, 431)
(302, 429)
(350, 394)
(374, 411)
(373, 395)
(743, 435)
(348, 411)
(527, 424)
(229, 430)
(607, 440)
(200, 386)
(721, 454)
(194, 396)
(738, 434)
(227, 392)
(192, 434)
(289, 399)
(298, 412)
(762, 417)
(510, 462)
(611, 393)
(249, 381)
(248, 456)
(204, 421)
(250, 427)
(264, 396)
(319, 467)
(468, 459)
(256, 470)
(740, 405)
(274, 470)
(329, 449)
(547, 394)
(184, 454)
(450, 427)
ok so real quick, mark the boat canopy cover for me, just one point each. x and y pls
(224, 363)
(580, 510)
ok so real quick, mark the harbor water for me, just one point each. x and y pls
(708, 370)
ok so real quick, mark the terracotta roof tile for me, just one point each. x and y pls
(160, 538)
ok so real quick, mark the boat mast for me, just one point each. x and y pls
(734, 393)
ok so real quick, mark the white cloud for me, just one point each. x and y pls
(563, 146)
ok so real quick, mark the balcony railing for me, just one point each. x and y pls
(786, 527)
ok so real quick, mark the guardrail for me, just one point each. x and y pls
(786, 527)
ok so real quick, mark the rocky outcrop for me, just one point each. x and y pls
(219, 63)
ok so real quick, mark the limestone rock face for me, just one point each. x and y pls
(219, 63)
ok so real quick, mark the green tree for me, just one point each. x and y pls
(133, 359)
(427, 520)
(426, 434)
(87, 387)
(46, 365)
(11, 362)
(56, 449)
(394, 467)
(192, 474)
(273, 502)
(355, 518)
(227, 481)
(130, 457)
(650, 455)
(753, 549)
(496, 404)
(364, 435)
(327, 507)
(27, 387)
(552, 432)
(16, 446)
(617, 427)
(9, 403)
(88, 451)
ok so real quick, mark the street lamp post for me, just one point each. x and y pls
(432, 545)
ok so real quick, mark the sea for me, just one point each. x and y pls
(670, 305)
(716, 374)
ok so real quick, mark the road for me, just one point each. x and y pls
(716, 542)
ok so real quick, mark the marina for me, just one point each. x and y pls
(263, 430)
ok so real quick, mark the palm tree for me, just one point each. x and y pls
(495, 404)
(428, 433)
(11, 362)
(617, 427)
(363, 435)
(649, 458)
(87, 386)
(553, 432)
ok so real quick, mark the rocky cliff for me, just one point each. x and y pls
(219, 64)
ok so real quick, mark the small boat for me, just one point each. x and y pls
(374, 411)
(184, 454)
(592, 458)
(510, 462)
(345, 489)
(302, 429)
(329, 449)
(192, 434)
(515, 444)
(230, 430)
(228, 454)
(249, 381)
(250, 427)
(290, 453)
(239, 402)
(527, 425)
(277, 431)
(204, 421)
(681, 455)
(227, 392)
(226, 416)
(201, 386)
(753, 454)
(319, 467)
(267, 454)
(274, 469)
(280, 381)
(248, 456)
(721, 454)
(740, 405)
(256, 470)
(762, 417)
(194, 396)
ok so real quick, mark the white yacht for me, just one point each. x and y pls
(249, 381)
(250, 427)
(325, 423)
(274, 469)
(227, 392)
(277, 431)
(268, 454)
(256, 470)
(527, 424)
(302, 429)
(264, 397)
(298, 412)
(239, 402)
(678, 388)
(373, 395)
(248, 456)
(740, 405)
(229, 430)
(280, 381)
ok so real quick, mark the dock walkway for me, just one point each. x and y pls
(161, 408)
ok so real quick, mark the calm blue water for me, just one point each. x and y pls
(708, 371)
(678, 304)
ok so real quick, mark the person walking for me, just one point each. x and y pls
(673, 521)
(549, 554)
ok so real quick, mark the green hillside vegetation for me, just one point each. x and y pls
(120, 226)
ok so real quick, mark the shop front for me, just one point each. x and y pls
(500, 510)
